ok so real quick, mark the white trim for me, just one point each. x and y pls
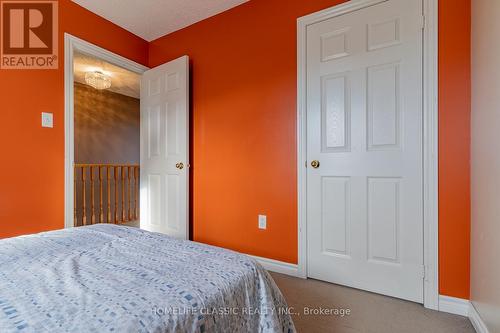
(476, 320)
(344, 8)
(301, 146)
(454, 305)
(430, 137)
(277, 266)
(463, 307)
(71, 44)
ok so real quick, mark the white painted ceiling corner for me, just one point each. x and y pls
(152, 19)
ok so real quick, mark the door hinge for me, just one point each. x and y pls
(423, 272)
(422, 22)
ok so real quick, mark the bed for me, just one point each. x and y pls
(108, 278)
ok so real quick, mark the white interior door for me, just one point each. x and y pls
(364, 127)
(165, 149)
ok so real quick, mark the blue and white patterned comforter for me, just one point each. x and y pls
(106, 278)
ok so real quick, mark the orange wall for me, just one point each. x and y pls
(454, 147)
(244, 125)
(32, 163)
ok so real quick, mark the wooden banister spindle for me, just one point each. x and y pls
(108, 187)
(136, 191)
(84, 197)
(129, 192)
(124, 217)
(116, 194)
(101, 209)
(75, 217)
(92, 196)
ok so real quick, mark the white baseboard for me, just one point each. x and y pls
(462, 307)
(476, 320)
(454, 305)
(278, 266)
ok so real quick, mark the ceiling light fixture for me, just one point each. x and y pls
(98, 80)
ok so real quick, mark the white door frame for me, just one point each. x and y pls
(430, 137)
(71, 44)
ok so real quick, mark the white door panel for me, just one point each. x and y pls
(364, 126)
(164, 147)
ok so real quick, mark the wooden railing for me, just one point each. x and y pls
(117, 197)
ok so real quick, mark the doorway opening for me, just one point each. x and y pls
(106, 142)
(110, 186)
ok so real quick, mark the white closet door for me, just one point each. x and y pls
(364, 128)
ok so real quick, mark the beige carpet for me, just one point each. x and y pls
(370, 313)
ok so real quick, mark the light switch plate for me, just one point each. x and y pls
(47, 120)
(262, 221)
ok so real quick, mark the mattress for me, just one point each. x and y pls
(108, 278)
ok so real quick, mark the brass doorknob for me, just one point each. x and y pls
(315, 164)
(180, 166)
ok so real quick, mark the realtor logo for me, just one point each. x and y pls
(28, 35)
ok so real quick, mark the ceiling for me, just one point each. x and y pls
(151, 19)
(122, 81)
